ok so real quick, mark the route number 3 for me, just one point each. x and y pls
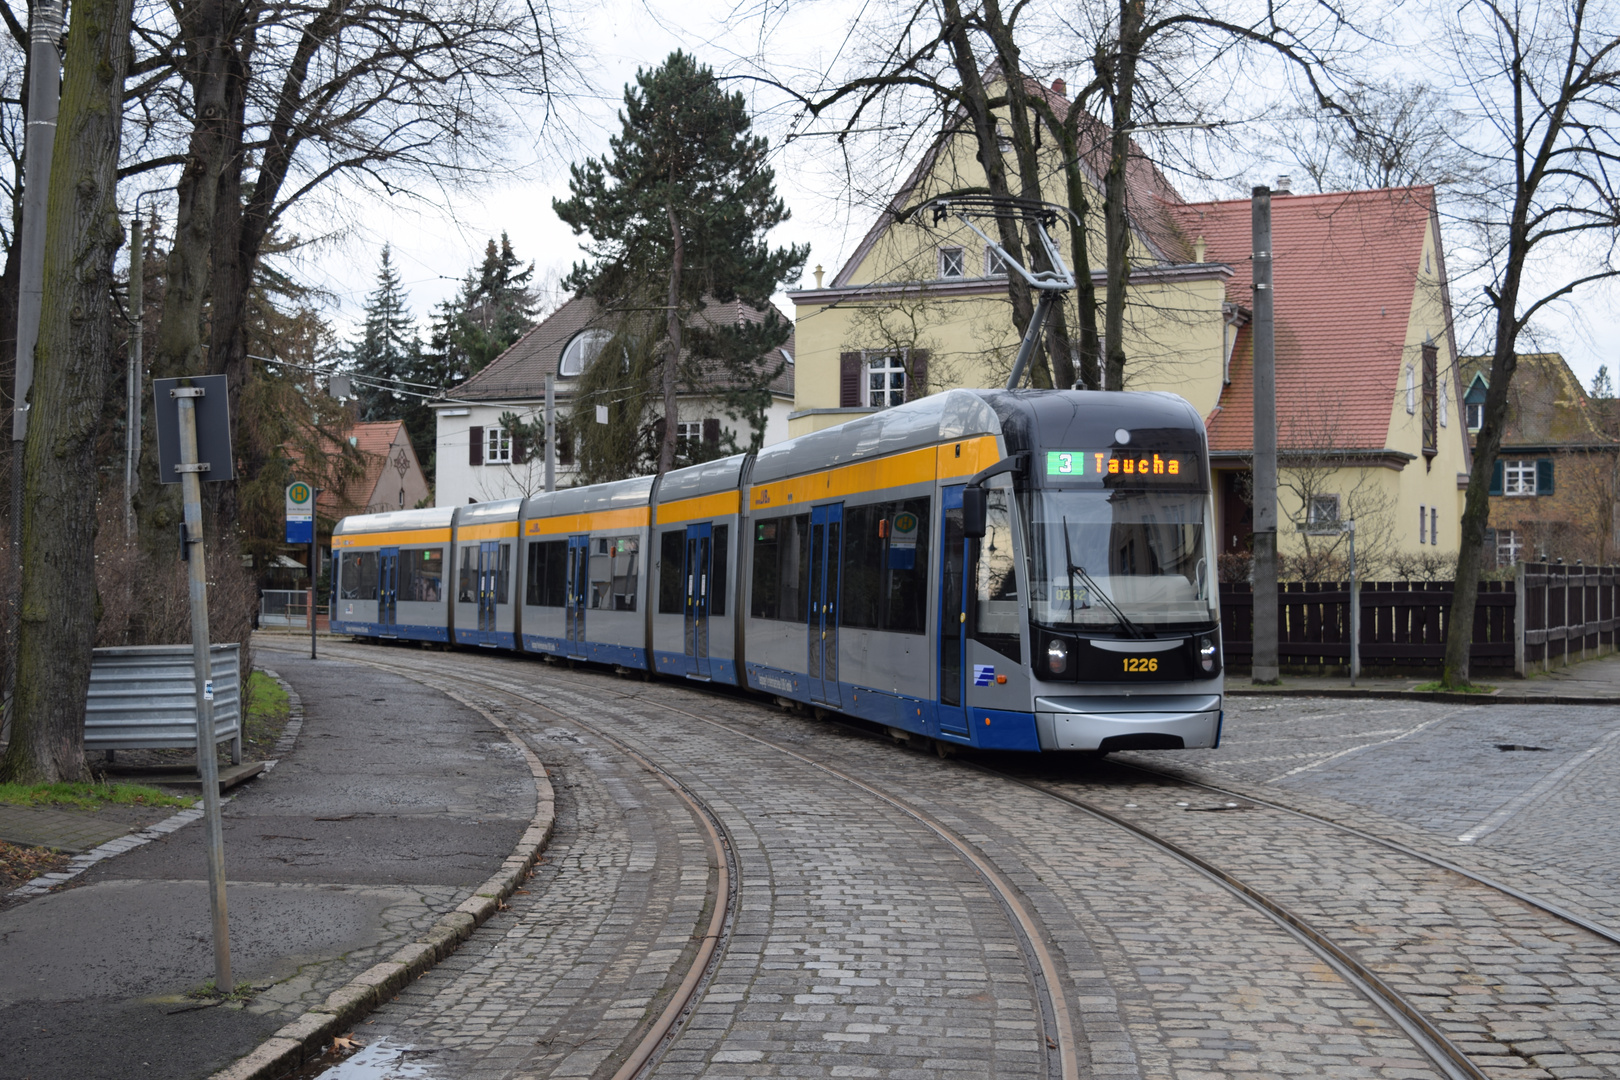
(1141, 663)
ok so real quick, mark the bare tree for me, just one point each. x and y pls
(1332, 480)
(1542, 86)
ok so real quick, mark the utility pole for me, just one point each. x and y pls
(132, 396)
(551, 433)
(314, 566)
(1265, 668)
(44, 92)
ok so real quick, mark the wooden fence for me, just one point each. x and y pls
(1548, 616)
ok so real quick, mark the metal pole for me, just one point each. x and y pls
(1355, 610)
(132, 415)
(314, 564)
(44, 91)
(1032, 335)
(207, 763)
(551, 433)
(1265, 668)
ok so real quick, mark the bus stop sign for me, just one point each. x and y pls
(300, 513)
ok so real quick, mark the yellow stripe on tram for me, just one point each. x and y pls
(498, 530)
(391, 539)
(947, 461)
(696, 509)
(633, 517)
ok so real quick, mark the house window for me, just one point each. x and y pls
(581, 351)
(952, 262)
(994, 264)
(1444, 409)
(1434, 526)
(1324, 511)
(1476, 416)
(1509, 546)
(497, 446)
(1411, 389)
(688, 434)
(1423, 524)
(1431, 386)
(885, 381)
(1519, 478)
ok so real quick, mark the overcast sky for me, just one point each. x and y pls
(437, 238)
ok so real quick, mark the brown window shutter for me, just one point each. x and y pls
(711, 432)
(475, 445)
(520, 447)
(917, 375)
(849, 380)
(565, 446)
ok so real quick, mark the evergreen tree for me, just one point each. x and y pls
(388, 352)
(679, 209)
(497, 305)
(1602, 385)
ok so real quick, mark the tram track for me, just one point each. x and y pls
(1425, 1034)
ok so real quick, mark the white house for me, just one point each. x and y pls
(477, 461)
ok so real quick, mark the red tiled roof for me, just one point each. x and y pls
(1344, 273)
(374, 439)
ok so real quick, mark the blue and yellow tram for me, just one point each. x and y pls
(1019, 570)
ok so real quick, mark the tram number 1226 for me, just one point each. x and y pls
(1141, 663)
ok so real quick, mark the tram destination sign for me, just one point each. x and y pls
(1121, 464)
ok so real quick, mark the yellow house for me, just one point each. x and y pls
(1368, 398)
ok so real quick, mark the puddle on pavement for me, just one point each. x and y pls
(382, 1060)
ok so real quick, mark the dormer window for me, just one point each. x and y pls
(952, 262)
(1476, 417)
(584, 348)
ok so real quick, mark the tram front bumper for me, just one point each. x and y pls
(1128, 722)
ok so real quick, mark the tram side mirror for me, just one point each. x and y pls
(974, 499)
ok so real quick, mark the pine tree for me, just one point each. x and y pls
(497, 305)
(680, 209)
(388, 352)
(1602, 385)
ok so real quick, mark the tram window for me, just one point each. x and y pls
(615, 570)
(717, 590)
(503, 575)
(781, 568)
(905, 566)
(467, 587)
(864, 530)
(671, 587)
(357, 576)
(421, 575)
(547, 574)
(995, 619)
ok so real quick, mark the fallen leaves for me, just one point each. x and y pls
(20, 864)
(344, 1042)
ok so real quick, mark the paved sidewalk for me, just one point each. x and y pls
(1589, 681)
(393, 807)
(64, 830)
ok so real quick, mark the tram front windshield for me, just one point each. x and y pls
(1098, 555)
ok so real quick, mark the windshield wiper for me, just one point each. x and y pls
(1068, 554)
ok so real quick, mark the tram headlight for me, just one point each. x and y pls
(1206, 652)
(1057, 655)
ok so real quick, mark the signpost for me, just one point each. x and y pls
(194, 444)
(301, 530)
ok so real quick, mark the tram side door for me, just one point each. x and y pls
(489, 568)
(952, 616)
(579, 574)
(388, 586)
(826, 548)
(698, 566)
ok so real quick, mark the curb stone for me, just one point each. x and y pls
(129, 841)
(305, 1038)
(1495, 698)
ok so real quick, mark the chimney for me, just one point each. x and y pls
(1199, 248)
(818, 272)
(1283, 186)
(1060, 87)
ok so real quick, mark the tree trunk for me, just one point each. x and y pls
(672, 359)
(1116, 218)
(72, 362)
(177, 349)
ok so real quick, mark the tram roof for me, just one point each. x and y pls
(710, 477)
(615, 495)
(928, 421)
(1079, 418)
(487, 512)
(432, 517)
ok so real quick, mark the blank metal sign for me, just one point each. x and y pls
(213, 427)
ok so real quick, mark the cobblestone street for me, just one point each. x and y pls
(859, 942)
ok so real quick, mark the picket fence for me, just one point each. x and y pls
(1547, 616)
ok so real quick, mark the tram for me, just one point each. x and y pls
(1008, 569)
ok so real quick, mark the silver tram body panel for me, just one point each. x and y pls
(391, 574)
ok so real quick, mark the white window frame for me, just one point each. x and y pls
(1411, 389)
(497, 446)
(1315, 515)
(689, 432)
(1509, 546)
(1519, 477)
(892, 363)
(571, 364)
(994, 265)
(1469, 415)
(952, 258)
(1442, 401)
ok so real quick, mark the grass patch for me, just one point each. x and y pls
(1466, 688)
(266, 700)
(87, 796)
